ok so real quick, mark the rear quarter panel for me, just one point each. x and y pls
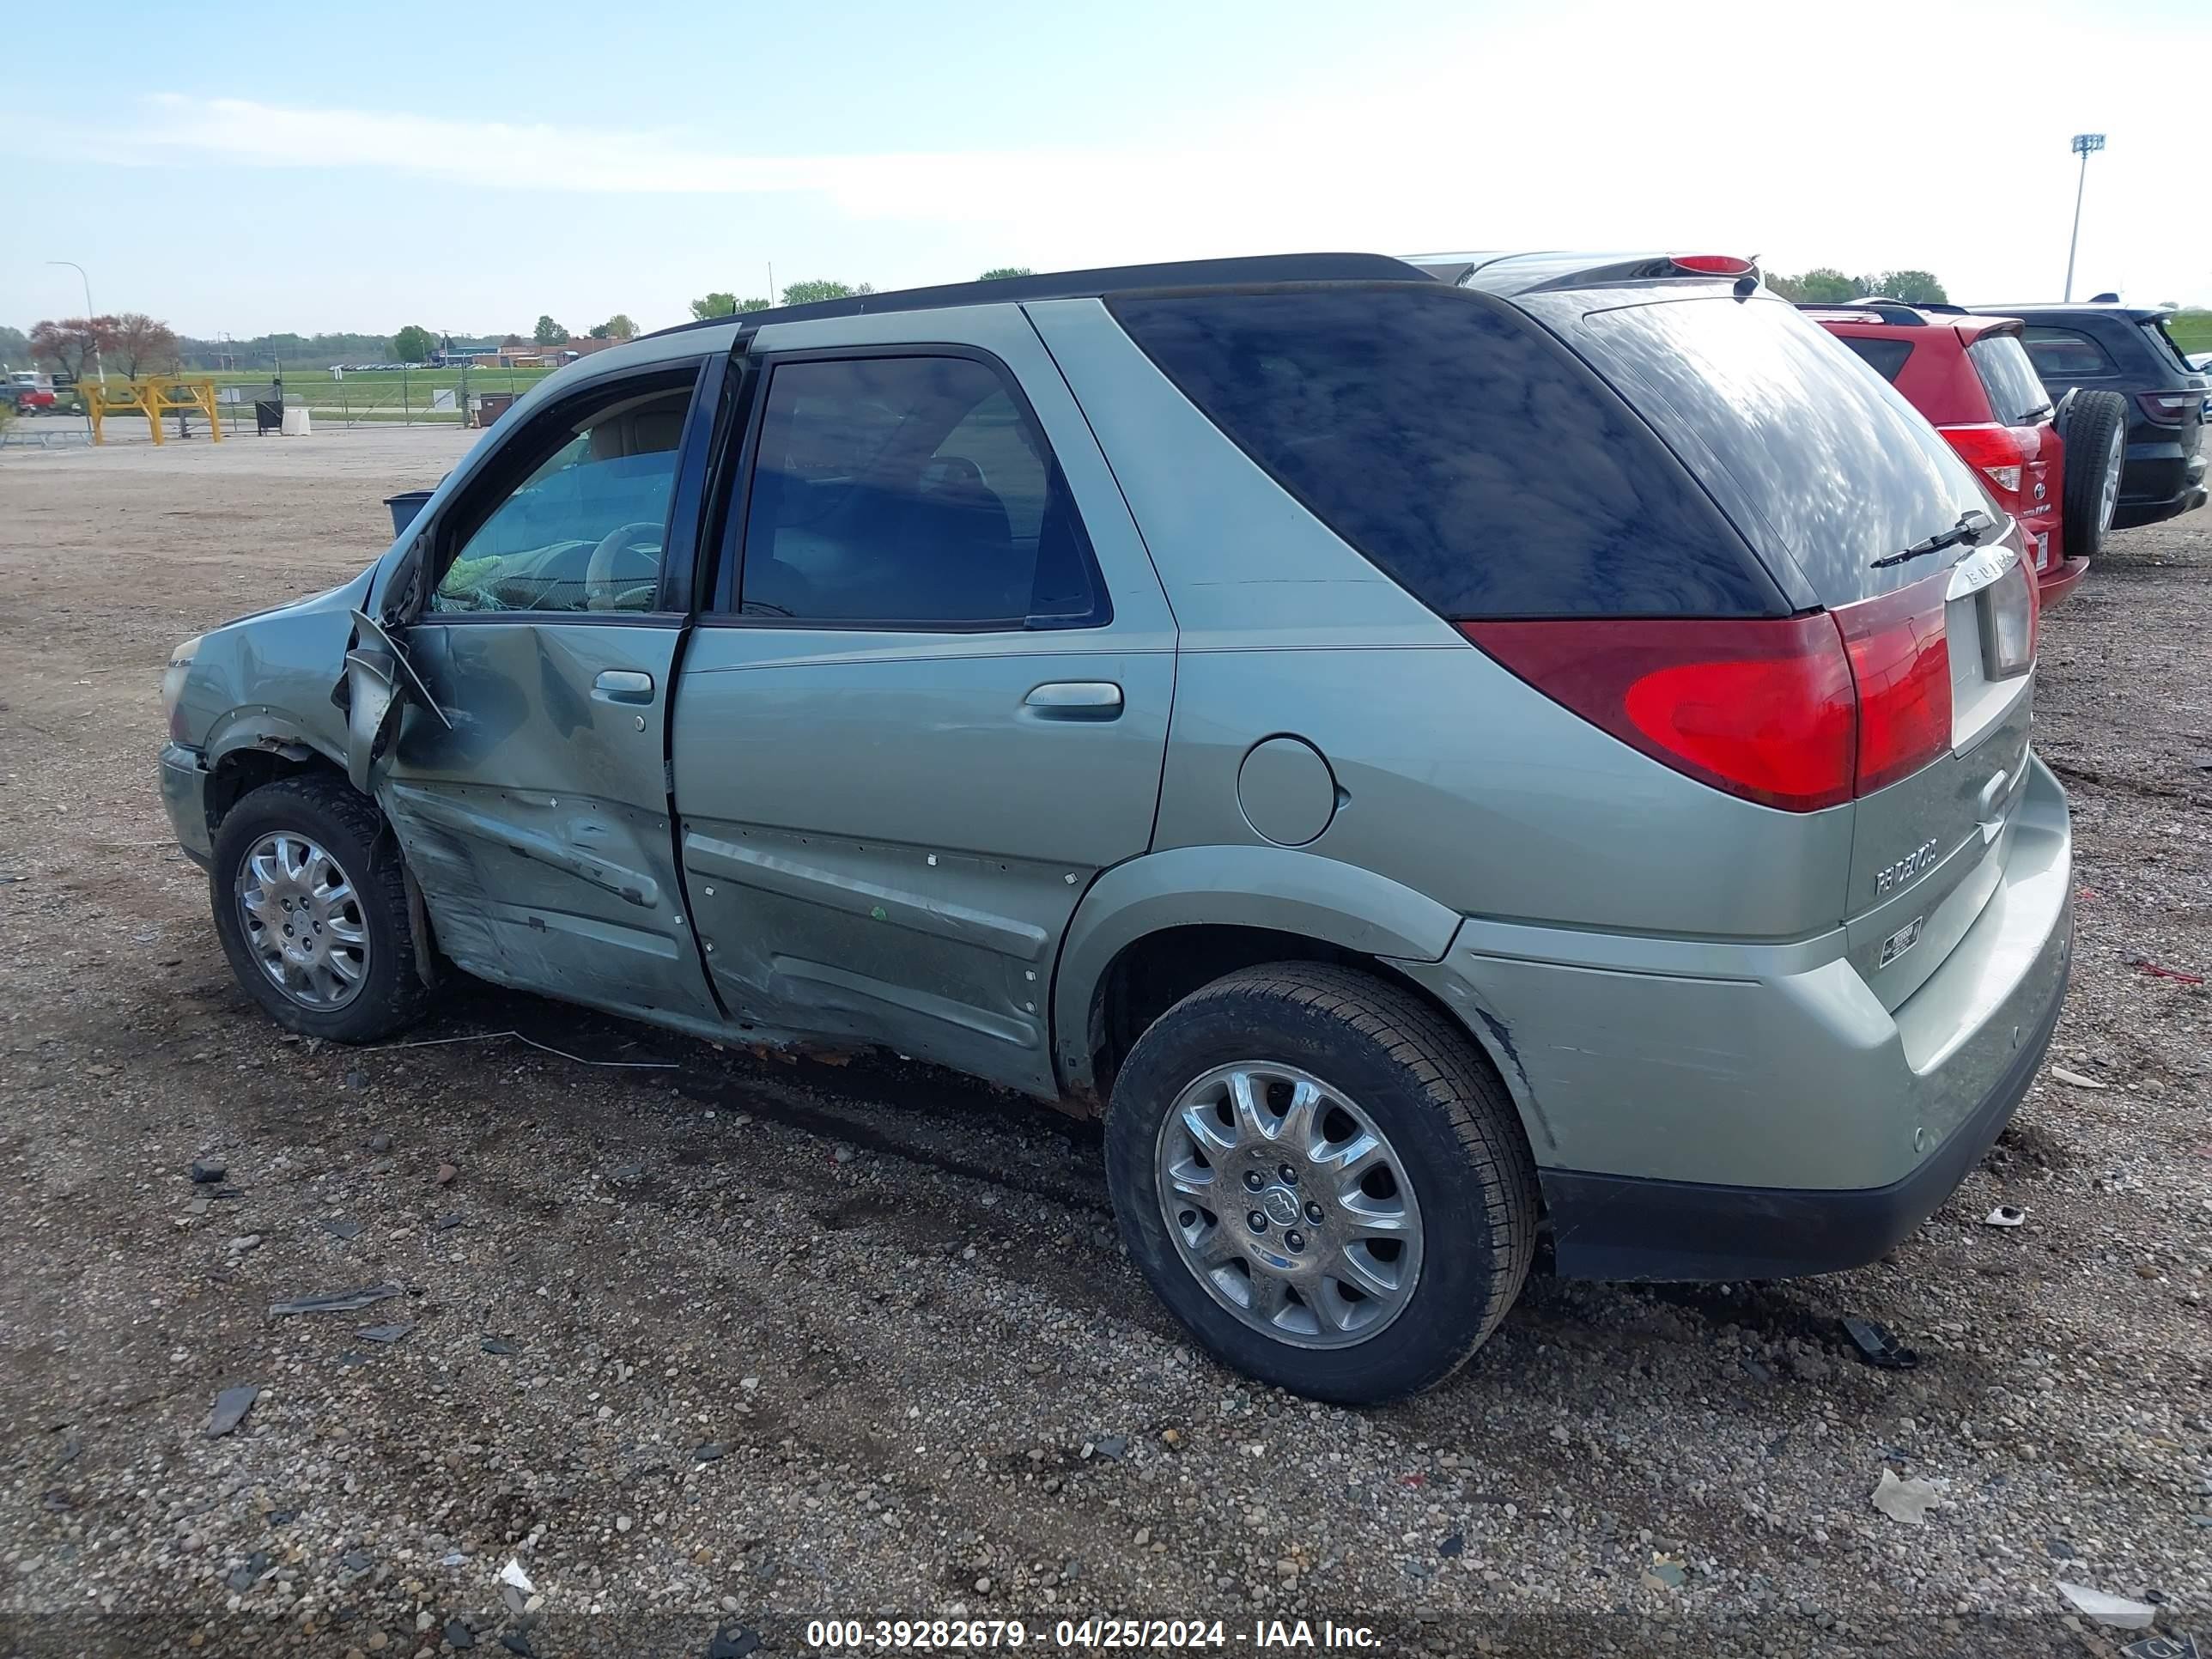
(1452, 776)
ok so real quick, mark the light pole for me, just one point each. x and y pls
(2085, 144)
(99, 367)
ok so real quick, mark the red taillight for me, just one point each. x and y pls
(1712, 264)
(1761, 708)
(1995, 452)
(1799, 714)
(2168, 408)
(1901, 665)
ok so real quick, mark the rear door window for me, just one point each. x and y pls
(1885, 357)
(1838, 470)
(910, 491)
(2015, 393)
(2065, 353)
(1457, 445)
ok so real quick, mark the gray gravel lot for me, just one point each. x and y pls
(703, 1339)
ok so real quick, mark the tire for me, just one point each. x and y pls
(1448, 1127)
(2095, 434)
(386, 993)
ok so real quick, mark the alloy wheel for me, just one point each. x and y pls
(303, 920)
(1289, 1205)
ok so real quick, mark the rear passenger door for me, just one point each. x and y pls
(928, 701)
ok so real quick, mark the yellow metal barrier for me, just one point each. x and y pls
(153, 397)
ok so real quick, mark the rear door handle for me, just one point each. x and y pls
(622, 685)
(1075, 700)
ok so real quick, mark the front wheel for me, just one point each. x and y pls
(1324, 1179)
(310, 905)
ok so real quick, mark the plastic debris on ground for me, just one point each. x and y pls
(1908, 1501)
(230, 1409)
(1878, 1347)
(2118, 1611)
(2162, 1647)
(1665, 1572)
(338, 1301)
(2004, 1216)
(2076, 1080)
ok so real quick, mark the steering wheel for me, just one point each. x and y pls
(600, 573)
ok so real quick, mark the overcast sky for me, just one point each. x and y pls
(467, 167)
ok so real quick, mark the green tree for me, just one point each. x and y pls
(414, 343)
(549, 333)
(1823, 284)
(713, 305)
(996, 272)
(617, 327)
(802, 293)
(1916, 287)
(755, 305)
(14, 348)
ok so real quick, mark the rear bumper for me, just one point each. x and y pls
(184, 798)
(2052, 588)
(2162, 480)
(1708, 1111)
(1621, 1228)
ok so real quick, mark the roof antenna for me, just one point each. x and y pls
(1748, 284)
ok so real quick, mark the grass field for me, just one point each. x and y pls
(380, 395)
(2192, 330)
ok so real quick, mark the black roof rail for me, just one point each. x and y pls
(1090, 284)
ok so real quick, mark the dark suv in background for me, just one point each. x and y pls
(2106, 347)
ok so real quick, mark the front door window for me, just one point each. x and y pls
(585, 529)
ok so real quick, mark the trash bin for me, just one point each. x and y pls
(493, 404)
(296, 424)
(404, 506)
(268, 417)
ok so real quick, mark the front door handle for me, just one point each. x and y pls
(1075, 700)
(622, 685)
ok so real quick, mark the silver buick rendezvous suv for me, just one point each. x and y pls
(1442, 757)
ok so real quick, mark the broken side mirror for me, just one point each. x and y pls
(378, 683)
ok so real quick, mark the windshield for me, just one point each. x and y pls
(1833, 466)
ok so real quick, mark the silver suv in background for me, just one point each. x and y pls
(1438, 763)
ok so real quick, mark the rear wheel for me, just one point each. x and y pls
(1324, 1180)
(310, 905)
(2095, 434)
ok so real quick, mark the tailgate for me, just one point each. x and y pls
(1927, 851)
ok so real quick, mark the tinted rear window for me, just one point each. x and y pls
(1457, 446)
(2016, 396)
(1885, 357)
(1831, 466)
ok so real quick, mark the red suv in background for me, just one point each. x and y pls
(1971, 378)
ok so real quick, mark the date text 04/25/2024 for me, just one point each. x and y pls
(953, 1635)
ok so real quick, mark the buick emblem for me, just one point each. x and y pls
(1282, 1205)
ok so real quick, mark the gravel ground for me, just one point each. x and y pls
(706, 1341)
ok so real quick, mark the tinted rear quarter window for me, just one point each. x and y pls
(2065, 353)
(1885, 357)
(1457, 446)
(2016, 395)
(1834, 467)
